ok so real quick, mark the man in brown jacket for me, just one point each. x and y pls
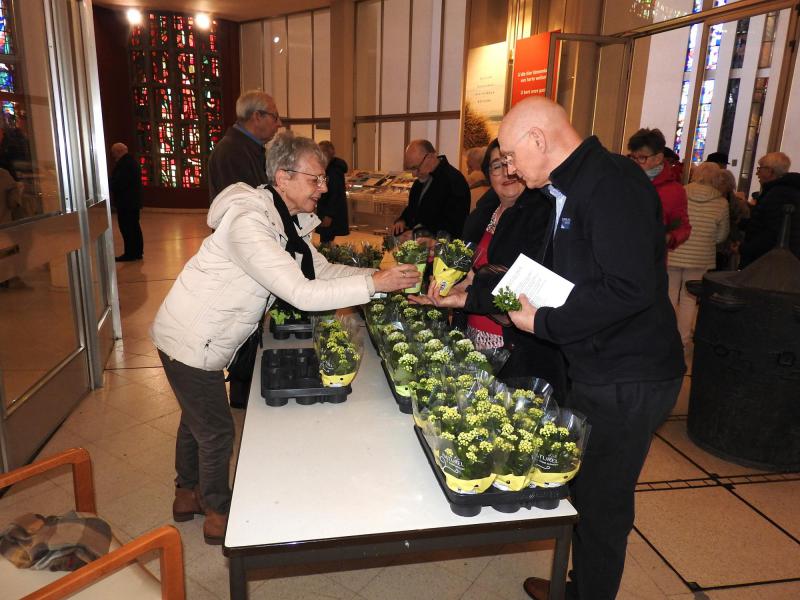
(240, 156)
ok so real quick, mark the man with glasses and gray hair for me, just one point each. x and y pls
(239, 156)
(439, 199)
(778, 187)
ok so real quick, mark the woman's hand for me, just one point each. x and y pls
(457, 297)
(397, 278)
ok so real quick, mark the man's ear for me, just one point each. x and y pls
(538, 139)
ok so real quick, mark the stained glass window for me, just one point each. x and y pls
(169, 172)
(6, 47)
(9, 108)
(177, 98)
(188, 105)
(706, 76)
(6, 78)
(186, 68)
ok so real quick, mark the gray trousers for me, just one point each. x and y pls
(205, 435)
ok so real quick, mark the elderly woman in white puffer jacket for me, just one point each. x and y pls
(710, 219)
(220, 296)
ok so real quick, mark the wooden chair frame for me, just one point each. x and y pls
(165, 539)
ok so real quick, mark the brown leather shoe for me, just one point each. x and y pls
(186, 504)
(538, 589)
(214, 527)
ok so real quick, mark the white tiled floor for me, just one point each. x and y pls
(129, 427)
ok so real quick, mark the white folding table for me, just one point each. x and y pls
(348, 481)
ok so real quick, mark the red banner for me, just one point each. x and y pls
(530, 67)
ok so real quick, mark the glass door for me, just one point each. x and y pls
(55, 282)
(590, 75)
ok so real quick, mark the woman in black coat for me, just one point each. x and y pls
(509, 220)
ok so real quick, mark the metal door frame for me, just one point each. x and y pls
(624, 84)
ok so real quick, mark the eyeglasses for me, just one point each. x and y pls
(762, 168)
(498, 166)
(640, 158)
(508, 157)
(266, 113)
(416, 167)
(321, 179)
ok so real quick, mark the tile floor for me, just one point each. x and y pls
(705, 528)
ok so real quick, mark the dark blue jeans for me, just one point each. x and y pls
(623, 417)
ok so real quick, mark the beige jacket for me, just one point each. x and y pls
(222, 292)
(709, 216)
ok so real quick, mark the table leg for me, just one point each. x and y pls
(558, 573)
(238, 581)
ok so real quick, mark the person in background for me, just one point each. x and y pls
(125, 185)
(778, 188)
(476, 179)
(259, 250)
(718, 158)
(709, 214)
(674, 162)
(239, 156)
(617, 328)
(646, 149)
(332, 207)
(738, 213)
(439, 199)
(509, 220)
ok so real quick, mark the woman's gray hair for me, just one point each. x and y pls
(704, 172)
(724, 182)
(285, 151)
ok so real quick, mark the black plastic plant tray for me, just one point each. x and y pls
(469, 505)
(294, 373)
(302, 331)
(403, 402)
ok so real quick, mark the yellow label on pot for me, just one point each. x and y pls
(337, 380)
(446, 277)
(511, 483)
(402, 390)
(468, 486)
(548, 479)
(416, 288)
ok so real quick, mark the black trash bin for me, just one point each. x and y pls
(744, 404)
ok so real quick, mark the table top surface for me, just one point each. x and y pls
(332, 471)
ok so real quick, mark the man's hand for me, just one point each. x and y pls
(326, 222)
(523, 318)
(399, 227)
(396, 278)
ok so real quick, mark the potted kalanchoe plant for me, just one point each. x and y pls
(452, 261)
(339, 354)
(463, 450)
(370, 256)
(506, 300)
(413, 253)
(563, 436)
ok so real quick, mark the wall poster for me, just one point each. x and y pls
(484, 94)
(530, 67)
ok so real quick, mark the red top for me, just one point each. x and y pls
(482, 322)
(674, 205)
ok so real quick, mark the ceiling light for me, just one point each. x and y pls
(202, 21)
(134, 16)
(276, 39)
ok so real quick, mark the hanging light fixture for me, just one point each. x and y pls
(202, 21)
(134, 16)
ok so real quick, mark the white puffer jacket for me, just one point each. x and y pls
(240, 269)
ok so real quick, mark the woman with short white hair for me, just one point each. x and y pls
(260, 250)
